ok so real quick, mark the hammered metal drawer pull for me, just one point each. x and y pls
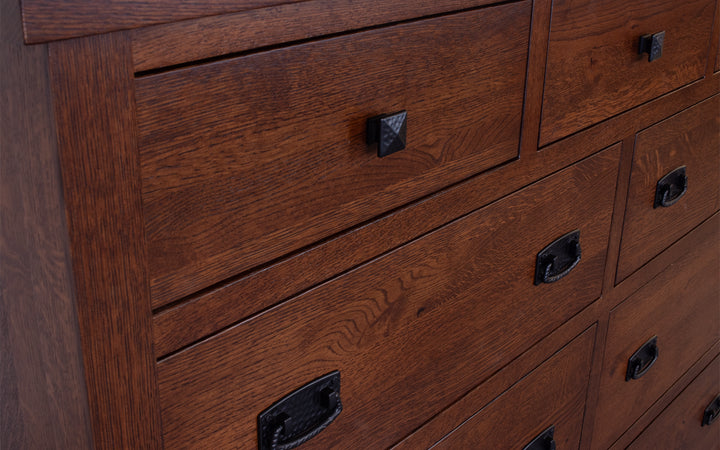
(642, 360)
(671, 188)
(558, 259)
(300, 415)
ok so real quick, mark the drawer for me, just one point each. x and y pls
(594, 70)
(409, 332)
(680, 425)
(690, 139)
(550, 397)
(680, 308)
(247, 159)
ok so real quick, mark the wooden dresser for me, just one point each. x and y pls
(356, 224)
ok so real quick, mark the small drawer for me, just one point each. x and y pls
(674, 183)
(684, 423)
(546, 405)
(250, 158)
(595, 70)
(409, 332)
(679, 311)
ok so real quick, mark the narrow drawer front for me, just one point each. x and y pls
(685, 145)
(679, 309)
(248, 159)
(595, 70)
(680, 425)
(550, 399)
(409, 332)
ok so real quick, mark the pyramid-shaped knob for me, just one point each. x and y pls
(389, 132)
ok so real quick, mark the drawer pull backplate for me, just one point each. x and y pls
(671, 188)
(711, 412)
(558, 259)
(544, 441)
(301, 415)
(642, 360)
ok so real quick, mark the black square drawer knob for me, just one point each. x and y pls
(652, 44)
(389, 132)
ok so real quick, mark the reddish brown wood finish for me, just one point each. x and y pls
(191, 40)
(594, 70)
(43, 400)
(241, 297)
(692, 139)
(47, 20)
(680, 307)
(456, 414)
(93, 98)
(248, 159)
(475, 274)
(551, 395)
(679, 425)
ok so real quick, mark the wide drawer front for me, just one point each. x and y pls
(655, 336)
(674, 184)
(409, 332)
(248, 159)
(688, 421)
(595, 70)
(548, 404)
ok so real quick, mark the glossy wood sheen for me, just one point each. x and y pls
(248, 159)
(692, 139)
(475, 274)
(553, 394)
(43, 400)
(93, 101)
(678, 426)
(680, 306)
(594, 70)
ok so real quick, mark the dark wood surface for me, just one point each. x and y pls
(679, 425)
(93, 98)
(191, 40)
(551, 395)
(594, 70)
(608, 283)
(659, 406)
(715, 43)
(239, 297)
(475, 273)
(457, 413)
(248, 159)
(43, 400)
(46, 20)
(690, 138)
(679, 306)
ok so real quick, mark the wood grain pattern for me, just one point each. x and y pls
(475, 273)
(659, 406)
(191, 40)
(248, 159)
(680, 306)
(551, 395)
(43, 397)
(93, 98)
(47, 20)
(240, 297)
(692, 139)
(456, 414)
(593, 68)
(678, 426)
